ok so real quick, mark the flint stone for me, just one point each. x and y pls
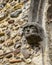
(1, 6)
(2, 39)
(2, 15)
(17, 45)
(15, 13)
(9, 56)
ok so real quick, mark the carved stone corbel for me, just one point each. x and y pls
(33, 30)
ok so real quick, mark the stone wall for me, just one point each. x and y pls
(14, 50)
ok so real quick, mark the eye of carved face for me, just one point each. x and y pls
(30, 29)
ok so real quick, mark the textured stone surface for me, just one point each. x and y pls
(2, 15)
(49, 28)
(14, 15)
(1, 6)
(49, 12)
(25, 53)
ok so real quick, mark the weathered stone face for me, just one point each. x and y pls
(33, 32)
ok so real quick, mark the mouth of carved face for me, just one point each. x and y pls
(33, 38)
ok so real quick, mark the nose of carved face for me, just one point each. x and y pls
(30, 30)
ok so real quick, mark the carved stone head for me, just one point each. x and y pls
(33, 32)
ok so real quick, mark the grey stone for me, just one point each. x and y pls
(11, 21)
(7, 34)
(17, 45)
(15, 13)
(1, 6)
(12, 3)
(2, 15)
(2, 39)
(25, 53)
